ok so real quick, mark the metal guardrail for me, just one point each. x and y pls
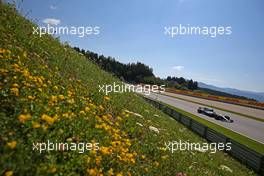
(245, 155)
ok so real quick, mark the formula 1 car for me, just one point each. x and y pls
(223, 118)
(206, 111)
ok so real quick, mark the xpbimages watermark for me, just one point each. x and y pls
(81, 31)
(210, 31)
(122, 88)
(48, 146)
(173, 146)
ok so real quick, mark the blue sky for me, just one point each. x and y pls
(133, 31)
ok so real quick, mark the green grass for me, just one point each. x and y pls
(222, 109)
(50, 92)
(258, 147)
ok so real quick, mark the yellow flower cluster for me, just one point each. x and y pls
(106, 150)
(24, 117)
(15, 89)
(4, 53)
(12, 144)
(50, 120)
(120, 145)
(107, 98)
(9, 173)
(47, 98)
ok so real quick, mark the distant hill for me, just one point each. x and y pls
(259, 96)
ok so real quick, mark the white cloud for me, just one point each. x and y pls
(51, 21)
(178, 67)
(52, 7)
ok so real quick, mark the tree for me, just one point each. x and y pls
(181, 80)
(136, 72)
(169, 78)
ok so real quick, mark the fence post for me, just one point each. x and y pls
(261, 167)
(205, 132)
(190, 124)
(180, 117)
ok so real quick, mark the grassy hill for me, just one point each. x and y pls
(50, 92)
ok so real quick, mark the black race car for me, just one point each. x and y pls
(207, 111)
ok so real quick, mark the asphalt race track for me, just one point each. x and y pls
(248, 127)
(258, 113)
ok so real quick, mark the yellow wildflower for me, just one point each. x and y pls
(23, 118)
(70, 101)
(156, 163)
(56, 88)
(164, 157)
(26, 73)
(12, 144)
(162, 148)
(69, 93)
(9, 173)
(105, 150)
(116, 143)
(101, 107)
(35, 124)
(66, 114)
(53, 99)
(53, 169)
(16, 67)
(82, 112)
(92, 172)
(31, 97)
(98, 160)
(132, 160)
(45, 127)
(15, 85)
(15, 91)
(88, 159)
(48, 119)
(24, 54)
(61, 97)
(87, 109)
(119, 118)
(106, 98)
(110, 172)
